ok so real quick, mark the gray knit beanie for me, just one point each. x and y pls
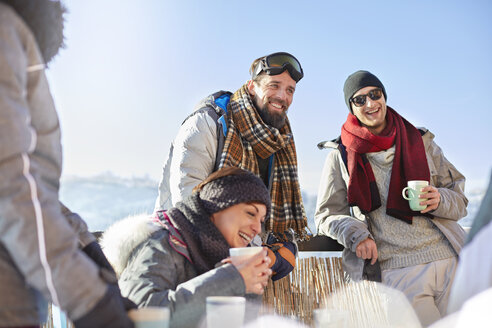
(359, 80)
(229, 190)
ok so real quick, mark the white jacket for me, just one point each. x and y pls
(192, 154)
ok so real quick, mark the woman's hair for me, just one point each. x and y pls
(226, 171)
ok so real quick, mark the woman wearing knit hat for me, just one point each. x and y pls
(179, 257)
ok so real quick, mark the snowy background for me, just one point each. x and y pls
(133, 76)
(104, 199)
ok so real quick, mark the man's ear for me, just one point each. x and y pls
(251, 88)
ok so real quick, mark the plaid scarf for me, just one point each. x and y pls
(247, 135)
(409, 163)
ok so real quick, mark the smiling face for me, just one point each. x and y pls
(272, 96)
(240, 223)
(372, 114)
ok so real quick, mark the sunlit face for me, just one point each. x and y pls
(272, 96)
(240, 223)
(372, 114)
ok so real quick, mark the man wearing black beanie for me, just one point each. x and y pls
(357, 81)
(360, 201)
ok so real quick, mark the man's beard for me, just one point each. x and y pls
(272, 119)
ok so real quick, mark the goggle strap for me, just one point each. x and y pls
(259, 68)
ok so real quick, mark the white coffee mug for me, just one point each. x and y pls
(150, 317)
(225, 311)
(241, 254)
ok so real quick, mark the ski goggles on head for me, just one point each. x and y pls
(277, 63)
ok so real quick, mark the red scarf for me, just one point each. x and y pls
(409, 163)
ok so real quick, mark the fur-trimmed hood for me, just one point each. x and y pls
(121, 238)
(45, 19)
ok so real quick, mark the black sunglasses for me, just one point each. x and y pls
(277, 63)
(360, 100)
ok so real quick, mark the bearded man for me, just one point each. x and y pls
(248, 129)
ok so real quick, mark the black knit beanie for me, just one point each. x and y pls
(229, 190)
(359, 80)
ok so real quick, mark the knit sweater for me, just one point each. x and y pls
(401, 244)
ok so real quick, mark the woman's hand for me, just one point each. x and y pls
(255, 272)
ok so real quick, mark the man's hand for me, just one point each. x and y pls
(433, 198)
(367, 249)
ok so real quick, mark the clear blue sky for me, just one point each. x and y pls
(133, 70)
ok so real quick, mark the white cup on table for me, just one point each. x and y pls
(225, 311)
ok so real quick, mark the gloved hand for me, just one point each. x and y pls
(94, 251)
(109, 312)
(282, 255)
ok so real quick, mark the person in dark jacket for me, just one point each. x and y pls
(177, 258)
(46, 252)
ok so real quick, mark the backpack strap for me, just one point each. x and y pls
(222, 102)
(342, 149)
(343, 152)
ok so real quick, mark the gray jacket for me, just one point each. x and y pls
(336, 219)
(154, 271)
(39, 255)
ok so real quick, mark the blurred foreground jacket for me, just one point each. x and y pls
(40, 256)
